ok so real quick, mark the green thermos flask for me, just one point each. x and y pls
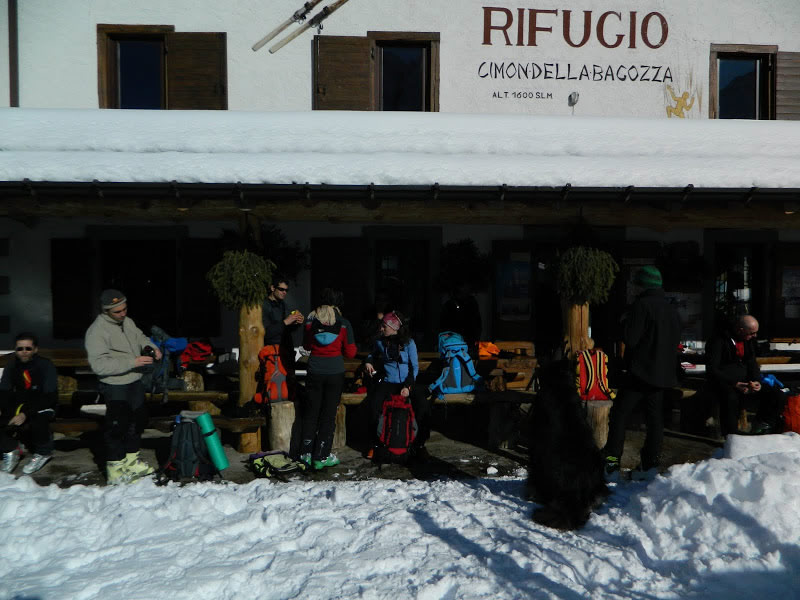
(212, 441)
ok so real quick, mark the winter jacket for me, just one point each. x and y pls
(723, 367)
(40, 396)
(275, 312)
(329, 344)
(651, 332)
(113, 348)
(399, 365)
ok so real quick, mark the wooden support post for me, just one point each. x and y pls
(340, 435)
(251, 339)
(280, 422)
(597, 413)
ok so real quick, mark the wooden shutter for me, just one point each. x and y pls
(197, 71)
(343, 73)
(787, 86)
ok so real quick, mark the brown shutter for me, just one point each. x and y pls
(343, 77)
(787, 86)
(197, 71)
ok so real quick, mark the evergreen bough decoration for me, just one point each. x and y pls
(241, 279)
(585, 275)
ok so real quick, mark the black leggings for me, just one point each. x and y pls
(319, 414)
(39, 424)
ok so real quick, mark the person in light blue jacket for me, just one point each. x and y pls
(394, 366)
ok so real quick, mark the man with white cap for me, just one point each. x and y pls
(114, 344)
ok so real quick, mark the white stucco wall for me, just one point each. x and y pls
(58, 51)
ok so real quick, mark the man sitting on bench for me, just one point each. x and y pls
(28, 394)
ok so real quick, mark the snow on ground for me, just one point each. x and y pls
(723, 528)
(359, 148)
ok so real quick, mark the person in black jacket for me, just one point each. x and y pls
(28, 394)
(279, 323)
(651, 332)
(732, 370)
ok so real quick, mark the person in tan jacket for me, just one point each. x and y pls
(117, 354)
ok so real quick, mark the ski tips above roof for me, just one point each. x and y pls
(359, 148)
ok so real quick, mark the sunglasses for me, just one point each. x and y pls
(24, 349)
(281, 289)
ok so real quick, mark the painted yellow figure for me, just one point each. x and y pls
(680, 104)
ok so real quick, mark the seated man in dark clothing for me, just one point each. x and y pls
(28, 395)
(732, 372)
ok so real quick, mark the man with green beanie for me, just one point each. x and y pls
(114, 345)
(651, 331)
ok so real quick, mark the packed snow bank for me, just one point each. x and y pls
(722, 528)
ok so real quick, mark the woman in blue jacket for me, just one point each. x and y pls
(393, 363)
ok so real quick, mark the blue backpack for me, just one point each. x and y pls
(458, 373)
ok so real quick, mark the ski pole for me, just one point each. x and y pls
(298, 17)
(315, 21)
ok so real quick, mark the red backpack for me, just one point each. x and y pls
(592, 375)
(397, 429)
(791, 414)
(272, 386)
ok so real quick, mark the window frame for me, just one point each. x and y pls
(430, 40)
(744, 50)
(107, 37)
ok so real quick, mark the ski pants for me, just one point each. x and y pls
(637, 392)
(319, 414)
(126, 417)
(38, 423)
(420, 402)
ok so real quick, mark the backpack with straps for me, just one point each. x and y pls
(458, 373)
(275, 463)
(397, 429)
(592, 375)
(188, 454)
(272, 383)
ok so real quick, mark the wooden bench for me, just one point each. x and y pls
(87, 423)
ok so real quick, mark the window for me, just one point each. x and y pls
(154, 67)
(382, 71)
(745, 83)
(403, 80)
(168, 288)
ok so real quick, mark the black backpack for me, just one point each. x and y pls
(188, 454)
(397, 429)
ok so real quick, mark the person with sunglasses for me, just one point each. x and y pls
(28, 395)
(280, 323)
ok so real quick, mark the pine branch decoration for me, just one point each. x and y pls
(585, 275)
(241, 278)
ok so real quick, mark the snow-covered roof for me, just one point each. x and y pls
(359, 148)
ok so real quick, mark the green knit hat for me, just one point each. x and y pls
(648, 277)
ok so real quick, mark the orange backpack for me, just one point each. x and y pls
(791, 414)
(592, 375)
(272, 386)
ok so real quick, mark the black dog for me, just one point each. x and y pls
(565, 467)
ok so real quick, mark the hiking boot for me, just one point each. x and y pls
(136, 467)
(10, 460)
(370, 453)
(36, 463)
(612, 465)
(306, 458)
(328, 461)
(117, 473)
